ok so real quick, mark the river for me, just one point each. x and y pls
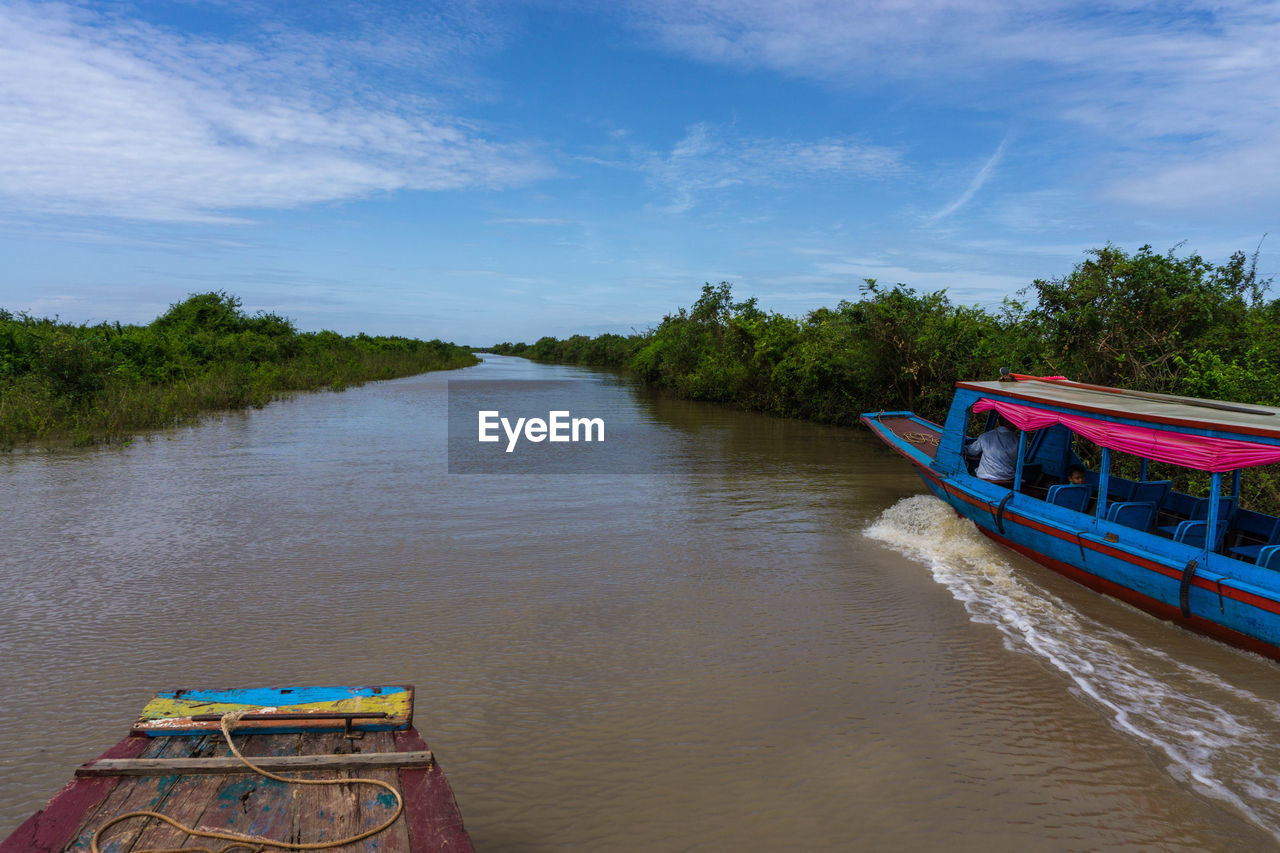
(767, 639)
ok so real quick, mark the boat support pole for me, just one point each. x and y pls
(1211, 522)
(1104, 479)
(1022, 453)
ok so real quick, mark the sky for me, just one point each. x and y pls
(499, 171)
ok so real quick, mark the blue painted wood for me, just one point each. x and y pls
(1069, 496)
(1120, 553)
(271, 696)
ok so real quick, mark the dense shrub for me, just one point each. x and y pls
(86, 383)
(1147, 321)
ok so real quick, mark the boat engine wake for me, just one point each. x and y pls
(1216, 736)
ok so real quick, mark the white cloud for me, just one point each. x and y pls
(106, 117)
(974, 185)
(704, 161)
(1242, 178)
(527, 220)
(1198, 84)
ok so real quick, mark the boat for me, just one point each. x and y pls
(293, 768)
(1202, 561)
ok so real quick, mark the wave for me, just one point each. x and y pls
(1217, 737)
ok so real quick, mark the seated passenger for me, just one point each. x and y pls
(997, 452)
(1075, 475)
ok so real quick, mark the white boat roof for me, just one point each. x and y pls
(1158, 410)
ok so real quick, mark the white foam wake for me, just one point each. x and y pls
(1217, 736)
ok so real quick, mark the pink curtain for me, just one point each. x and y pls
(1189, 451)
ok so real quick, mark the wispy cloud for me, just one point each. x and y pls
(527, 220)
(1199, 86)
(974, 185)
(704, 161)
(111, 117)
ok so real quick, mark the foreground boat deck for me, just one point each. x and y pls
(195, 780)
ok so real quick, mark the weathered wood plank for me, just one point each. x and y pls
(248, 804)
(431, 811)
(187, 799)
(231, 764)
(49, 830)
(373, 806)
(294, 708)
(141, 793)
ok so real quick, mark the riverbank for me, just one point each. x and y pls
(1147, 321)
(63, 383)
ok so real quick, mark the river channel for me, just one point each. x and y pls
(767, 638)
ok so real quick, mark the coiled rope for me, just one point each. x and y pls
(249, 842)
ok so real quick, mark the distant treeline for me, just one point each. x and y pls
(1148, 321)
(87, 383)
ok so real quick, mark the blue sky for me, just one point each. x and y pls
(486, 171)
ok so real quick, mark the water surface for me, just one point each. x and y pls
(768, 640)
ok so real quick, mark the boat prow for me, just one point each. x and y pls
(908, 433)
(310, 765)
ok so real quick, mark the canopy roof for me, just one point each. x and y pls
(1208, 435)
(1160, 411)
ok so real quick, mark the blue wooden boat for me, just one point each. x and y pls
(1204, 562)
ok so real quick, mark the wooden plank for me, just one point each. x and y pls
(142, 793)
(231, 764)
(296, 708)
(326, 812)
(431, 811)
(248, 804)
(373, 806)
(49, 830)
(187, 799)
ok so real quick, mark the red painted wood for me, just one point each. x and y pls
(53, 827)
(435, 823)
(1156, 608)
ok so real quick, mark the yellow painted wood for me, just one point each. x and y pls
(167, 712)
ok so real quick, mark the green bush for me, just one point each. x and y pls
(60, 381)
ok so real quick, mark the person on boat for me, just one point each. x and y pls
(1075, 475)
(997, 453)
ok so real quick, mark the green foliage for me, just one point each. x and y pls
(87, 383)
(1146, 321)
(1132, 320)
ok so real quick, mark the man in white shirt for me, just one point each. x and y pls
(997, 452)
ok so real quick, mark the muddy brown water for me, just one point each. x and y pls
(770, 640)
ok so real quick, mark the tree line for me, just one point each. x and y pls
(86, 383)
(1146, 320)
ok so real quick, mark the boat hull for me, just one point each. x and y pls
(1169, 580)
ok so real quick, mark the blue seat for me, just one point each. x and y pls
(1151, 490)
(1120, 489)
(1254, 552)
(1136, 514)
(1069, 496)
(1269, 558)
(1200, 512)
(1193, 533)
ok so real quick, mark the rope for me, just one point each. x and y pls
(920, 438)
(249, 842)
